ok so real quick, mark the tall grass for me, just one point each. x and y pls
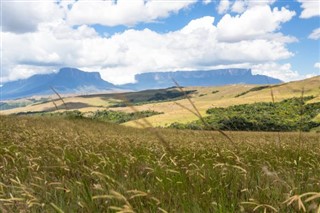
(60, 98)
(57, 165)
(51, 164)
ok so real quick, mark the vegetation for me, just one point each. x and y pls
(52, 164)
(172, 112)
(70, 162)
(121, 117)
(141, 97)
(21, 103)
(288, 115)
(171, 94)
(100, 115)
(157, 97)
(253, 90)
(8, 105)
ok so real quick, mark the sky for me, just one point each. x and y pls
(122, 38)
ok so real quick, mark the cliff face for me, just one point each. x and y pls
(67, 80)
(72, 80)
(199, 78)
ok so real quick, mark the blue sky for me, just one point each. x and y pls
(126, 37)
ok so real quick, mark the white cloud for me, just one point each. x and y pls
(119, 57)
(122, 12)
(281, 71)
(66, 4)
(310, 8)
(25, 16)
(317, 65)
(22, 71)
(223, 6)
(62, 31)
(206, 1)
(315, 35)
(199, 24)
(311, 75)
(257, 22)
(42, 36)
(240, 6)
(263, 2)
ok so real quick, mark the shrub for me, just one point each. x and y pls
(288, 115)
(121, 117)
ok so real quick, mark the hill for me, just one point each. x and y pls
(224, 96)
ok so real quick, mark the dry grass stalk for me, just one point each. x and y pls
(64, 103)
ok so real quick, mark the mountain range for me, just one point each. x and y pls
(75, 81)
(155, 80)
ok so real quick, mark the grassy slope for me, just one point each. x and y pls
(50, 164)
(226, 97)
(204, 99)
(94, 102)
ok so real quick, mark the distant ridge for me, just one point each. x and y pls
(155, 80)
(74, 81)
(67, 80)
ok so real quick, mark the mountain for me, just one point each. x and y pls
(154, 80)
(75, 81)
(67, 80)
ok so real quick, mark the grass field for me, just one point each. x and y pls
(203, 97)
(60, 165)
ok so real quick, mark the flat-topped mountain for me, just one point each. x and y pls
(67, 80)
(75, 81)
(220, 77)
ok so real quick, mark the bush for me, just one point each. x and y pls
(121, 117)
(288, 115)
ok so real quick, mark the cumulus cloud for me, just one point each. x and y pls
(25, 16)
(206, 1)
(61, 35)
(281, 71)
(223, 6)
(309, 8)
(122, 12)
(21, 71)
(317, 65)
(118, 58)
(315, 35)
(257, 22)
(240, 6)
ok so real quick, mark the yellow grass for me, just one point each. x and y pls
(203, 99)
(94, 102)
(226, 97)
